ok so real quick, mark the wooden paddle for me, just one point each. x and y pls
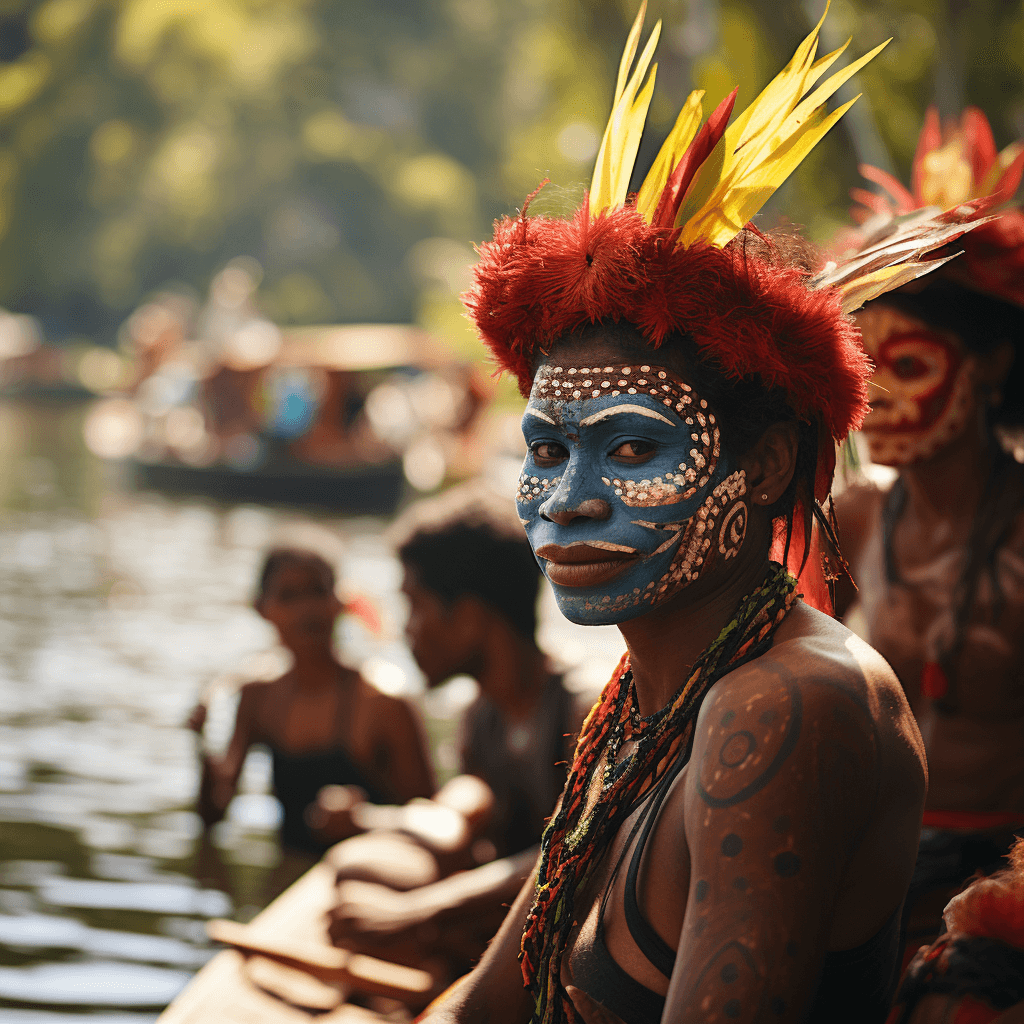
(353, 970)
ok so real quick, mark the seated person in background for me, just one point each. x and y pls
(324, 723)
(974, 973)
(471, 581)
(939, 556)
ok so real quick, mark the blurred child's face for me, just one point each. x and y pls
(299, 600)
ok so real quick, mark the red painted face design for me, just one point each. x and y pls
(922, 390)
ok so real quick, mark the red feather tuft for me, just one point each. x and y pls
(981, 144)
(992, 907)
(535, 284)
(691, 161)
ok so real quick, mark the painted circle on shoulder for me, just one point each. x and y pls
(726, 778)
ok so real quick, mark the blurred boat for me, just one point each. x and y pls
(33, 370)
(347, 418)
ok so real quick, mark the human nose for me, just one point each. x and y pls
(570, 501)
(591, 508)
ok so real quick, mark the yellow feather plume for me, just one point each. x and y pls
(758, 151)
(621, 139)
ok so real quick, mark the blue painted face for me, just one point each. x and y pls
(626, 495)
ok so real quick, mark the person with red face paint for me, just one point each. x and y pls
(939, 556)
(324, 723)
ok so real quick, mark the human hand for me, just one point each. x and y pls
(590, 1010)
(368, 916)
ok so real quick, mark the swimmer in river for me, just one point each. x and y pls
(323, 723)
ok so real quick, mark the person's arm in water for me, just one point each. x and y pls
(219, 778)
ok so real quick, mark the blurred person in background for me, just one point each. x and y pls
(471, 581)
(973, 973)
(323, 723)
(939, 555)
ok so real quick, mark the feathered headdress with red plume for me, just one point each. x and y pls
(668, 258)
(957, 169)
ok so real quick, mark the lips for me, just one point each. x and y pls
(585, 565)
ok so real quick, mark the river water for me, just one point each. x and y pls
(117, 610)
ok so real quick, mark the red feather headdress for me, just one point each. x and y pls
(959, 169)
(668, 258)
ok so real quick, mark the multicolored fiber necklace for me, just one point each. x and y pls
(579, 833)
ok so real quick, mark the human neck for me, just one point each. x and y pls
(664, 643)
(511, 671)
(949, 485)
(314, 667)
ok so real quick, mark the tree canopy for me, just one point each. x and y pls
(357, 148)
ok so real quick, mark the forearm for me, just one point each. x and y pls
(210, 804)
(471, 892)
(493, 993)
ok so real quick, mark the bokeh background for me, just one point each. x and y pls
(339, 159)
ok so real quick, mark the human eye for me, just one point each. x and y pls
(908, 367)
(633, 453)
(548, 453)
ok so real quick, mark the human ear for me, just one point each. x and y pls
(771, 463)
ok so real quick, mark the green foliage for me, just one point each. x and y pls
(356, 148)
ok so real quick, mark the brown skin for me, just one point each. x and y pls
(815, 857)
(454, 915)
(976, 754)
(302, 711)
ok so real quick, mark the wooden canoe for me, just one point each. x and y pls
(283, 969)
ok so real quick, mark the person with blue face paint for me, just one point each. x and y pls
(589, 431)
(739, 825)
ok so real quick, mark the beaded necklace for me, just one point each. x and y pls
(581, 830)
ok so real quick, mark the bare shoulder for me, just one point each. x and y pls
(253, 696)
(385, 707)
(821, 701)
(832, 663)
(256, 707)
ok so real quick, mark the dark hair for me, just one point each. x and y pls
(276, 558)
(745, 406)
(469, 542)
(982, 323)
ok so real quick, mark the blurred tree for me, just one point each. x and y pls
(355, 148)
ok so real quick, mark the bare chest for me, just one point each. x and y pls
(913, 614)
(302, 722)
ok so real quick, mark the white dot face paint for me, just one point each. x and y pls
(641, 445)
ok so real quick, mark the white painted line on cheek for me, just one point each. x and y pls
(617, 410)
